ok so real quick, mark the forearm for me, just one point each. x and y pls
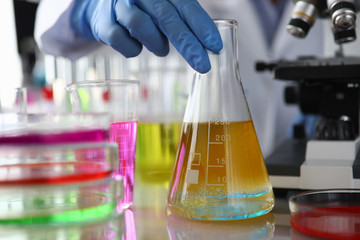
(54, 34)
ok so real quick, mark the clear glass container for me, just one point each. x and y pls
(58, 183)
(13, 100)
(219, 172)
(164, 86)
(119, 98)
(327, 214)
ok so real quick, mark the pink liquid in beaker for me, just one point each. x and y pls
(124, 134)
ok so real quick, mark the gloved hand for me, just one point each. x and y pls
(126, 25)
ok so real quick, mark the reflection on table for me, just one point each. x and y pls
(256, 228)
(153, 222)
(148, 219)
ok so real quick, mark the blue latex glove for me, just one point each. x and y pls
(126, 25)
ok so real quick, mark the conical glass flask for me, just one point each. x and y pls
(219, 173)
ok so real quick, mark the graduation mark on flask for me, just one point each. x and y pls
(216, 161)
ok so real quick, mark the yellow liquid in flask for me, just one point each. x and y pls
(220, 173)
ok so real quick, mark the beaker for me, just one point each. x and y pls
(162, 101)
(119, 99)
(219, 173)
(13, 100)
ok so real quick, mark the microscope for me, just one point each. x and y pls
(328, 88)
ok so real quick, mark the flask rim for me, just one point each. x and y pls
(225, 22)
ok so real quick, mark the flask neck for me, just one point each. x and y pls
(218, 95)
(226, 62)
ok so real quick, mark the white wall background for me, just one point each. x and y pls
(10, 64)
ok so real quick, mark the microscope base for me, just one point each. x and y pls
(329, 164)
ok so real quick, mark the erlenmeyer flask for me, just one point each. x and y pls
(219, 173)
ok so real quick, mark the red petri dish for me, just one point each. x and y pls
(55, 148)
(327, 214)
(57, 163)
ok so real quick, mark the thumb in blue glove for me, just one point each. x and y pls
(126, 25)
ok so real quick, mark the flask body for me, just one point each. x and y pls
(219, 173)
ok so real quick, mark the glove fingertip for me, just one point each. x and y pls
(202, 66)
(132, 50)
(214, 44)
(162, 52)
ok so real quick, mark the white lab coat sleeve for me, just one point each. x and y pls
(54, 34)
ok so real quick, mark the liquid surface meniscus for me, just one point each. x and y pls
(220, 173)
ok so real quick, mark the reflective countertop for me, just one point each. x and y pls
(147, 219)
(151, 221)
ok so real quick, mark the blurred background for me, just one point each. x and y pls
(22, 64)
(44, 77)
(38, 81)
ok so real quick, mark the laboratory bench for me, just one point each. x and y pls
(147, 219)
(153, 223)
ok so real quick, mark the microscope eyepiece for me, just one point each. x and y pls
(302, 18)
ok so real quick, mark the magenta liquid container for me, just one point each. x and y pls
(117, 97)
(124, 134)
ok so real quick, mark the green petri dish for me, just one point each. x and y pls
(109, 229)
(58, 183)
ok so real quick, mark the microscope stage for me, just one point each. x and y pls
(301, 164)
